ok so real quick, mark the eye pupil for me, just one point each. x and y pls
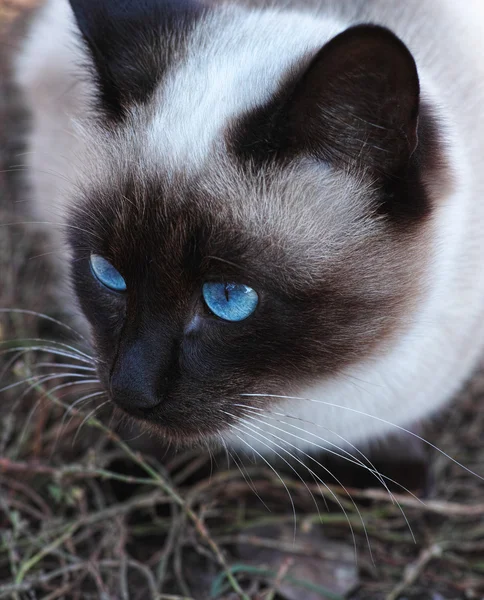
(230, 301)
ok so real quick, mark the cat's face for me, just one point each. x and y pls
(294, 249)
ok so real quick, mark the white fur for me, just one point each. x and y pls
(225, 80)
(239, 67)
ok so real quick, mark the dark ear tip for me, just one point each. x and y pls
(367, 40)
(357, 101)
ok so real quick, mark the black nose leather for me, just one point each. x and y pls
(134, 380)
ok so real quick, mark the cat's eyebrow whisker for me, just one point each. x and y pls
(45, 254)
(46, 318)
(381, 478)
(316, 477)
(223, 260)
(380, 419)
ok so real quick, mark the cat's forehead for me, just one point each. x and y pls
(288, 217)
(232, 62)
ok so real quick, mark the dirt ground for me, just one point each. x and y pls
(84, 513)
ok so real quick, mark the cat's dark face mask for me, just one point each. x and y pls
(178, 343)
(323, 223)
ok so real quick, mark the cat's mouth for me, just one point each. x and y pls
(176, 424)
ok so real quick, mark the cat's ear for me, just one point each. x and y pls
(358, 100)
(129, 46)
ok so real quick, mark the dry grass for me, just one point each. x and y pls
(92, 517)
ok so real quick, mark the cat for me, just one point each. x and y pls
(270, 212)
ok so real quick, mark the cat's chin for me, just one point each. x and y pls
(135, 427)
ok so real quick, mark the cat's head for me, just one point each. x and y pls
(249, 221)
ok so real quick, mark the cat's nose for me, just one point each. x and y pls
(134, 381)
(132, 394)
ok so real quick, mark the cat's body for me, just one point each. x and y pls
(404, 301)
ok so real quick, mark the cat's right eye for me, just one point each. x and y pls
(106, 274)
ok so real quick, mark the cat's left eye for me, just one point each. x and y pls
(230, 301)
(104, 272)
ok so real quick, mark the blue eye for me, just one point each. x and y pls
(107, 274)
(230, 301)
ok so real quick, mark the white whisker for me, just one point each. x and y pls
(54, 343)
(63, 366)
(87, 417)
(39, 379)
(316, 477)
(278, 476)
(246, 475)
(374, 471)
(56, 352)
(45, 317)
(350, 458)
(47, 393)
(364, 414)
(247, 426)
(47, 346)
(83, 400)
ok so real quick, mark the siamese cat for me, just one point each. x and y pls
(270, 214)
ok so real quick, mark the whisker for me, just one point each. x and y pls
(79, 401)
(246, 475)
(139, 435)
(86, 418)
(278, 476)
(350, 457)
(35, 378)
(44, 378)
(83, 400)
(45, 317)
(224, 445)
(333, 495)
(381, 420)
(51, 350)
(55, 343)
(374, 471)
(244, 424)
(63, 366)
(10, 362)
(47, 393)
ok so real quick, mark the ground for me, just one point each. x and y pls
(85, 514)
